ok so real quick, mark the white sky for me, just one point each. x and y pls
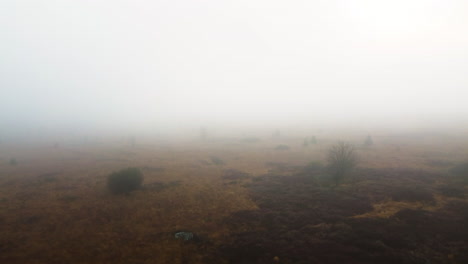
(111, 62)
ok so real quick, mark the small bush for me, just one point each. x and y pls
(125, 181)
(341, 160)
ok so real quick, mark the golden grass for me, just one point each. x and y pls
(387, 209)
(55, 208)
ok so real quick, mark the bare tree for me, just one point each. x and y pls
(341, 160)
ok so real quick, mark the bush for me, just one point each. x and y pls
(125, 181)
(341, 160)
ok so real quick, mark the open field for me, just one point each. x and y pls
(246, 200)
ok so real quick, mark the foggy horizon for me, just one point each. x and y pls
(132, 66)
(237, 131)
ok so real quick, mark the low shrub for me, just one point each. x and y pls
(125, 181)
(342, 160)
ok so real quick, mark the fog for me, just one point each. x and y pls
(133, 66)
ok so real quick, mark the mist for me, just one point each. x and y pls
(183, 131)
(148, 66)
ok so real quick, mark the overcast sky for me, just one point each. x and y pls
(110, 62)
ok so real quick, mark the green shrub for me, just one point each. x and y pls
(125, 181)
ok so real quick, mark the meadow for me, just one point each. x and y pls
(246, 200)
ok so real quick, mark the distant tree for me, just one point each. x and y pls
(306, 142)
(313, 140)
(368, 142)
(341, 160)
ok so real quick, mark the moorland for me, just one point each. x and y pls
(246, 200)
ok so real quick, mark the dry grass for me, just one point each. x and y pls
(55, 208)
(389, 208)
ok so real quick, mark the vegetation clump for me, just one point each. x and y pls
(125, 181)
(341, 160)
